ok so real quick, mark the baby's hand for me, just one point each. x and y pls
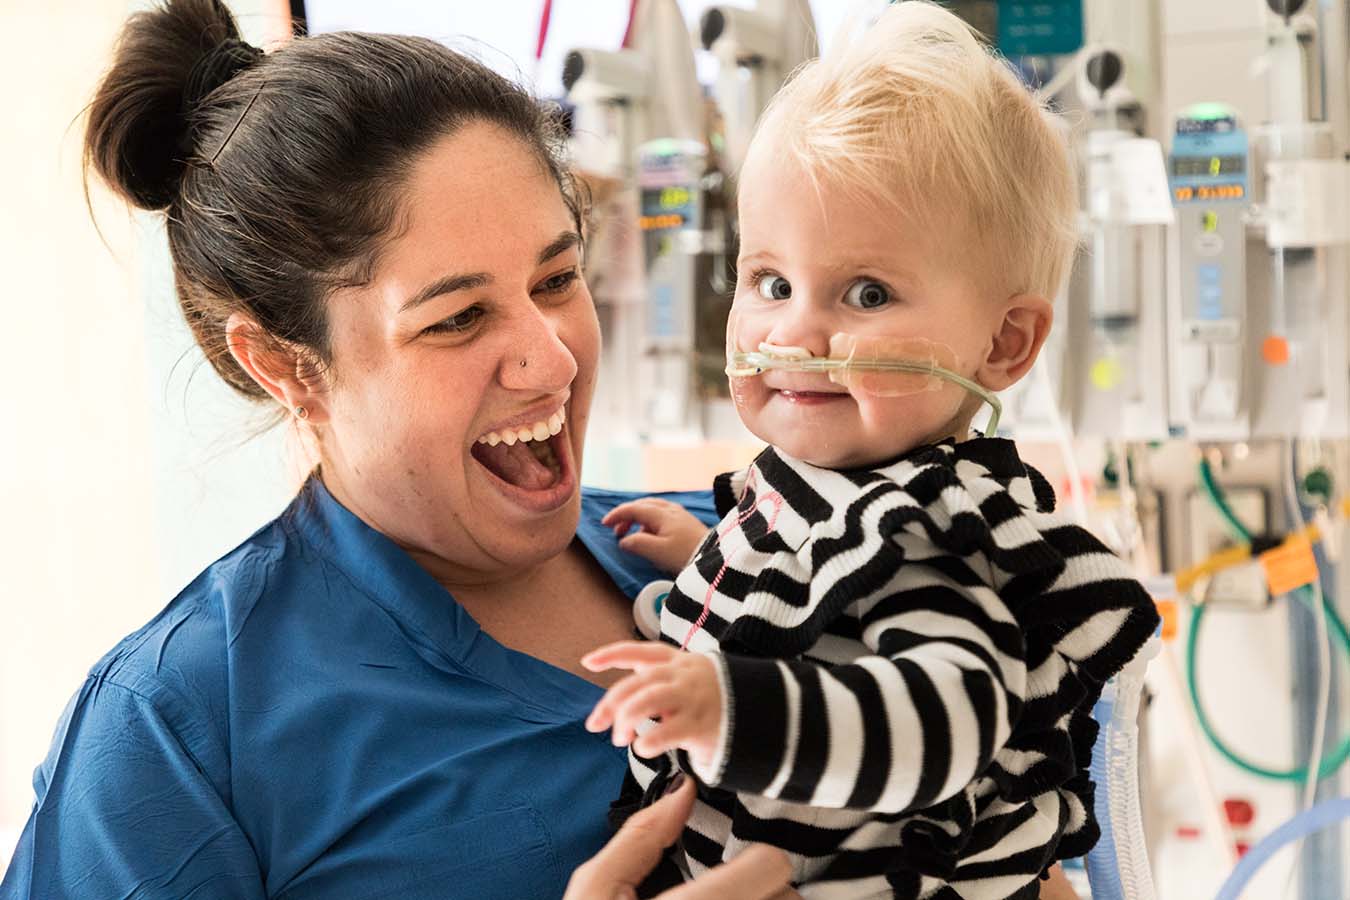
(680, 688)
(670, 534)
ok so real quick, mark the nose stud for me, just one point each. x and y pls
(522, 363)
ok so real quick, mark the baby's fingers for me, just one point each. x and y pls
(643, 512)
(602, 716)
(677, 729)
(649, 702)
(644, 543)
(660, 738)
(629, 655)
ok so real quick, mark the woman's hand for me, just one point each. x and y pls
(1057, 887)
(758, 873)
(670, 533)
(681, 689)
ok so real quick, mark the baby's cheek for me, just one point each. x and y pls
(908, 419)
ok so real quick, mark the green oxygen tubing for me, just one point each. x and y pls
(1342, 752)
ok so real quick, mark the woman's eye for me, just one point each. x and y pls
(560, 282)
(773, 287)
(460, 322)
(867, 295)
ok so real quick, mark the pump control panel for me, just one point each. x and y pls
(1208, 176)
(1209, 181)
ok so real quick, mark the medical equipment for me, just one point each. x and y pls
(756, 49)
(639, 121)
(1328, 814)
(1301, 204)
(1209, 168)
(670, 184)
(1102, 370)
(1120, 301)
(641, 92)
(647, 608)
(1118, 867)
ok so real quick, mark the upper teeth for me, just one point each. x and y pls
(539, 431)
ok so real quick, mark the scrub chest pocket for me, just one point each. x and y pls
(506, 854)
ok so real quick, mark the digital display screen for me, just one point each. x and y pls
(1193, 166)
(666, 207)
(656, 223)
(1220, 125)
(673, 198)
(1209, 192)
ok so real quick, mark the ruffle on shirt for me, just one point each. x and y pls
(974, 499)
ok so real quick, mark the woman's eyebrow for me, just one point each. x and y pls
(451, 283)
(447, 285)
(561, 244)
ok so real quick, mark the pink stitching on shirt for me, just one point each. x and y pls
(777, 500)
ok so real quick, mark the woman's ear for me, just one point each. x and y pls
(287, 372)
(1017, 341)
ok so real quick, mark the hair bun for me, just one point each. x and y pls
(224, 61)
(167, 61)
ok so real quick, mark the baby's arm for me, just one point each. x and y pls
(899, 730)
(669, 533)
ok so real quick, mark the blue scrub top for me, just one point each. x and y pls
(315, 717)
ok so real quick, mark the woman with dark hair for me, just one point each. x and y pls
(378, 694)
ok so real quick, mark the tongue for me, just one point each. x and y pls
(516, 465)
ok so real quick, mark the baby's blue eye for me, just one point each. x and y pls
(774, 287)
(867, 295)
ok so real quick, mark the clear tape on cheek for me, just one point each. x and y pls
(889, 366)
(877, 366)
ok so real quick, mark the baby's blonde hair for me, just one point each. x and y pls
(916, 113)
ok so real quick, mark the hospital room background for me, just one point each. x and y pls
(1192, 406)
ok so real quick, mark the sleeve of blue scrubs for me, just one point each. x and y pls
(125, 810)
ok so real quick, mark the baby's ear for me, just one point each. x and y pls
(1016, 341)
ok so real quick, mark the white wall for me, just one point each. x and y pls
(74, 444)
(114, 494)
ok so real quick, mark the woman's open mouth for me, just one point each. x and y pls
(531, 462)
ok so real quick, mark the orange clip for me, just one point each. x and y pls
(1291, 565)
(1167, 610)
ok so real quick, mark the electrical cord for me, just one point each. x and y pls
(1338, 756)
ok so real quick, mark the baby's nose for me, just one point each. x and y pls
(807, 329)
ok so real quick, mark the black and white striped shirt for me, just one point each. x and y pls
(909, 655)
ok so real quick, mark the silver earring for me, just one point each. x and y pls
(301, 412)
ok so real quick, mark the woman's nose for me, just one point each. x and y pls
(801, 324)
(536, 357)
